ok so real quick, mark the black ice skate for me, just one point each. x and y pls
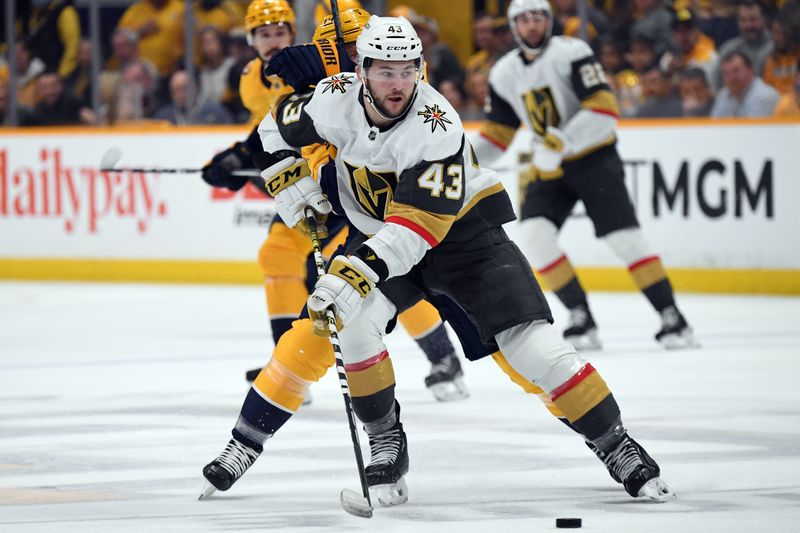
(251, 376)
(581, 331)
(446, 380)
(223, 471)
(629, 464)
(675, 332)
(387, 466)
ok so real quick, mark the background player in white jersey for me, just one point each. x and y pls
(427, 222)
(557, 88)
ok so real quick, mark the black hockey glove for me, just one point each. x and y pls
(219, 171)
(304, 65)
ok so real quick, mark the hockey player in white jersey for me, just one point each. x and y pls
(557, 88)
(427, 222)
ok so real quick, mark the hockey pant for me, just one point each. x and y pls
(533, 355)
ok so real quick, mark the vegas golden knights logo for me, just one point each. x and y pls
(372, 190)
(541, 109)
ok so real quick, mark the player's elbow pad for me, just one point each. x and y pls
(587, 129)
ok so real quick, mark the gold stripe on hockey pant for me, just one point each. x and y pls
(299, 359)
(498, 134)
(527, 386)
(647, 272)
(611, 139)
(557, 274)
(371, 376)
(420, 319)
(601, 102)
(580, 393)
(282, 258)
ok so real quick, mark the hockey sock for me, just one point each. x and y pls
(651, 278)
(300, 358)
(559, 277)
(371, 386)
(527, 385)
(587, 403)
(279, 326)
(436, 344)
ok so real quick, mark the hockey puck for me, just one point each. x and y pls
(568, 523)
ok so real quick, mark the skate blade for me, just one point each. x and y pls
(589, 342)
(656, 490)
(208, 490)
(390, 494)
(355, 504)
(679, 341)
(449, 391)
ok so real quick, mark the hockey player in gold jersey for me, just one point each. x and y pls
(426, 221)
(557, 88)
(284, 256)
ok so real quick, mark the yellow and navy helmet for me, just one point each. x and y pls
(352, 21)
(263, 12)
(323, 8)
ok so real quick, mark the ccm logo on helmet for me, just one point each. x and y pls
(397, 47)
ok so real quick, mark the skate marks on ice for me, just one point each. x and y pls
(118, 444)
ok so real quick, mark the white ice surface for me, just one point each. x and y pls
(113, 397)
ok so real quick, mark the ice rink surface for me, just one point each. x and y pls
(113, 397)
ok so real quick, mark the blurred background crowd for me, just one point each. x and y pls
(679, 58)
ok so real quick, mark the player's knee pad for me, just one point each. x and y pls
(300, 358)
(527, 385)
(283, 254)
(539, 353)
(420, 319)
(306, 355)
(629, 245)
(363, 338)
(539, 241)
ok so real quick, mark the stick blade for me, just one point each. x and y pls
(355, 504)
(110, 158)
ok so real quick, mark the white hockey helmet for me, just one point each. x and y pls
(388, 39)
(516, 8)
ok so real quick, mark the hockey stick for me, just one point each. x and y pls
(337, 24)
(351, 501)
(113, 155)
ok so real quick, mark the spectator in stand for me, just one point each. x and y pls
(654, 23)
(55, 35)
(717, 19)
(178, 111)
(442, 63)
(454, 94)
(622, 78)
(222, 14)
(755, 40)
(54, 107)
(503, 38)
(484, 39)
(214, 67)
(789, 104)
(242, 53)
(744, 94)
(660, 101)
(781, 66)
(79, 84)
(3, 101)
(159, 24)
(567, 18)
(476, 89)
(692, 47)
(696, 95)
(136, 93)
(28, 69)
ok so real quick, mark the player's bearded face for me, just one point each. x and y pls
(391, 84)
(269, 39)
(532, 27)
